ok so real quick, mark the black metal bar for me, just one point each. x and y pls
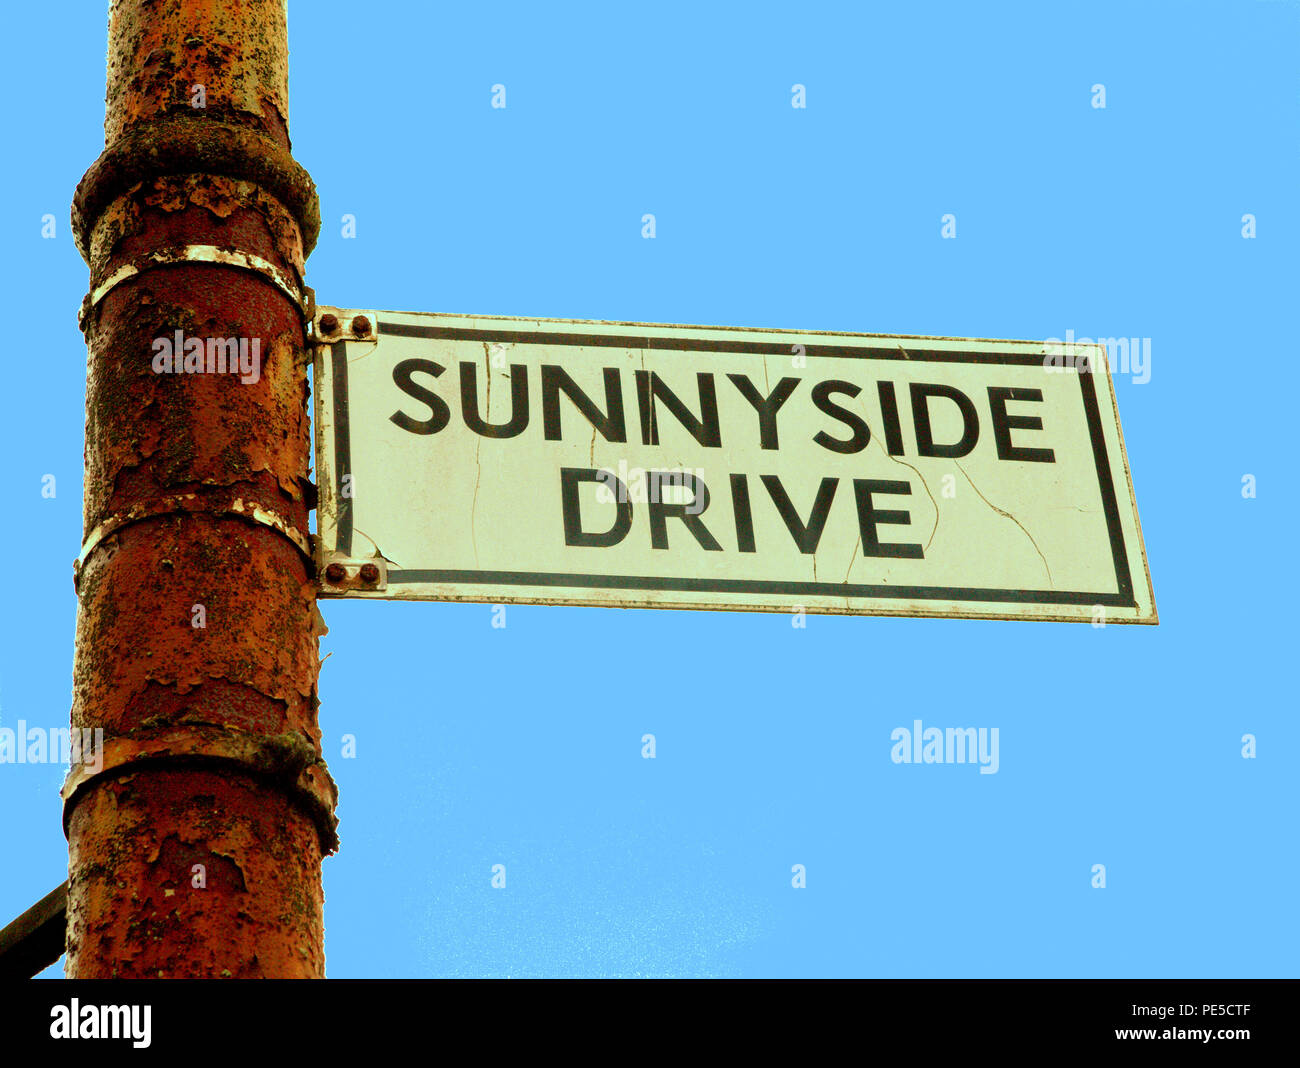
(35, 940)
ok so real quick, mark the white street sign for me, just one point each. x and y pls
(475, 458)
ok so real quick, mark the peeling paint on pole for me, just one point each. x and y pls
(195, 845)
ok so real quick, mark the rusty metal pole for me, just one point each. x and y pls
(196, 833)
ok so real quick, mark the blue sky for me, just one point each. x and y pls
(479, 746)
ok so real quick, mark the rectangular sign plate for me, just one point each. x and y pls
(476, 458)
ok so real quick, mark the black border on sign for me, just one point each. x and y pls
(342, 446)
(1124, 598)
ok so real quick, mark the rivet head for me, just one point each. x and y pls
(360, 324)
(329, 323)
(369, 573)
(335, 573)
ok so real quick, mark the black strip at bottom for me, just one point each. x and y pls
(758, 586)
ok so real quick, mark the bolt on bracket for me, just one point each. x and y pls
(339, 574)
(329, 325)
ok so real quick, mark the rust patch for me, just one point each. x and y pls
(175, 863)
(238, 53)
(138, 909)
(151, 434)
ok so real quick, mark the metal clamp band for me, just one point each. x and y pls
(238, 507)
(183, 145)
(201, 254)
(288, 759)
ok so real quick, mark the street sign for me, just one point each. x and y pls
(476, 458)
